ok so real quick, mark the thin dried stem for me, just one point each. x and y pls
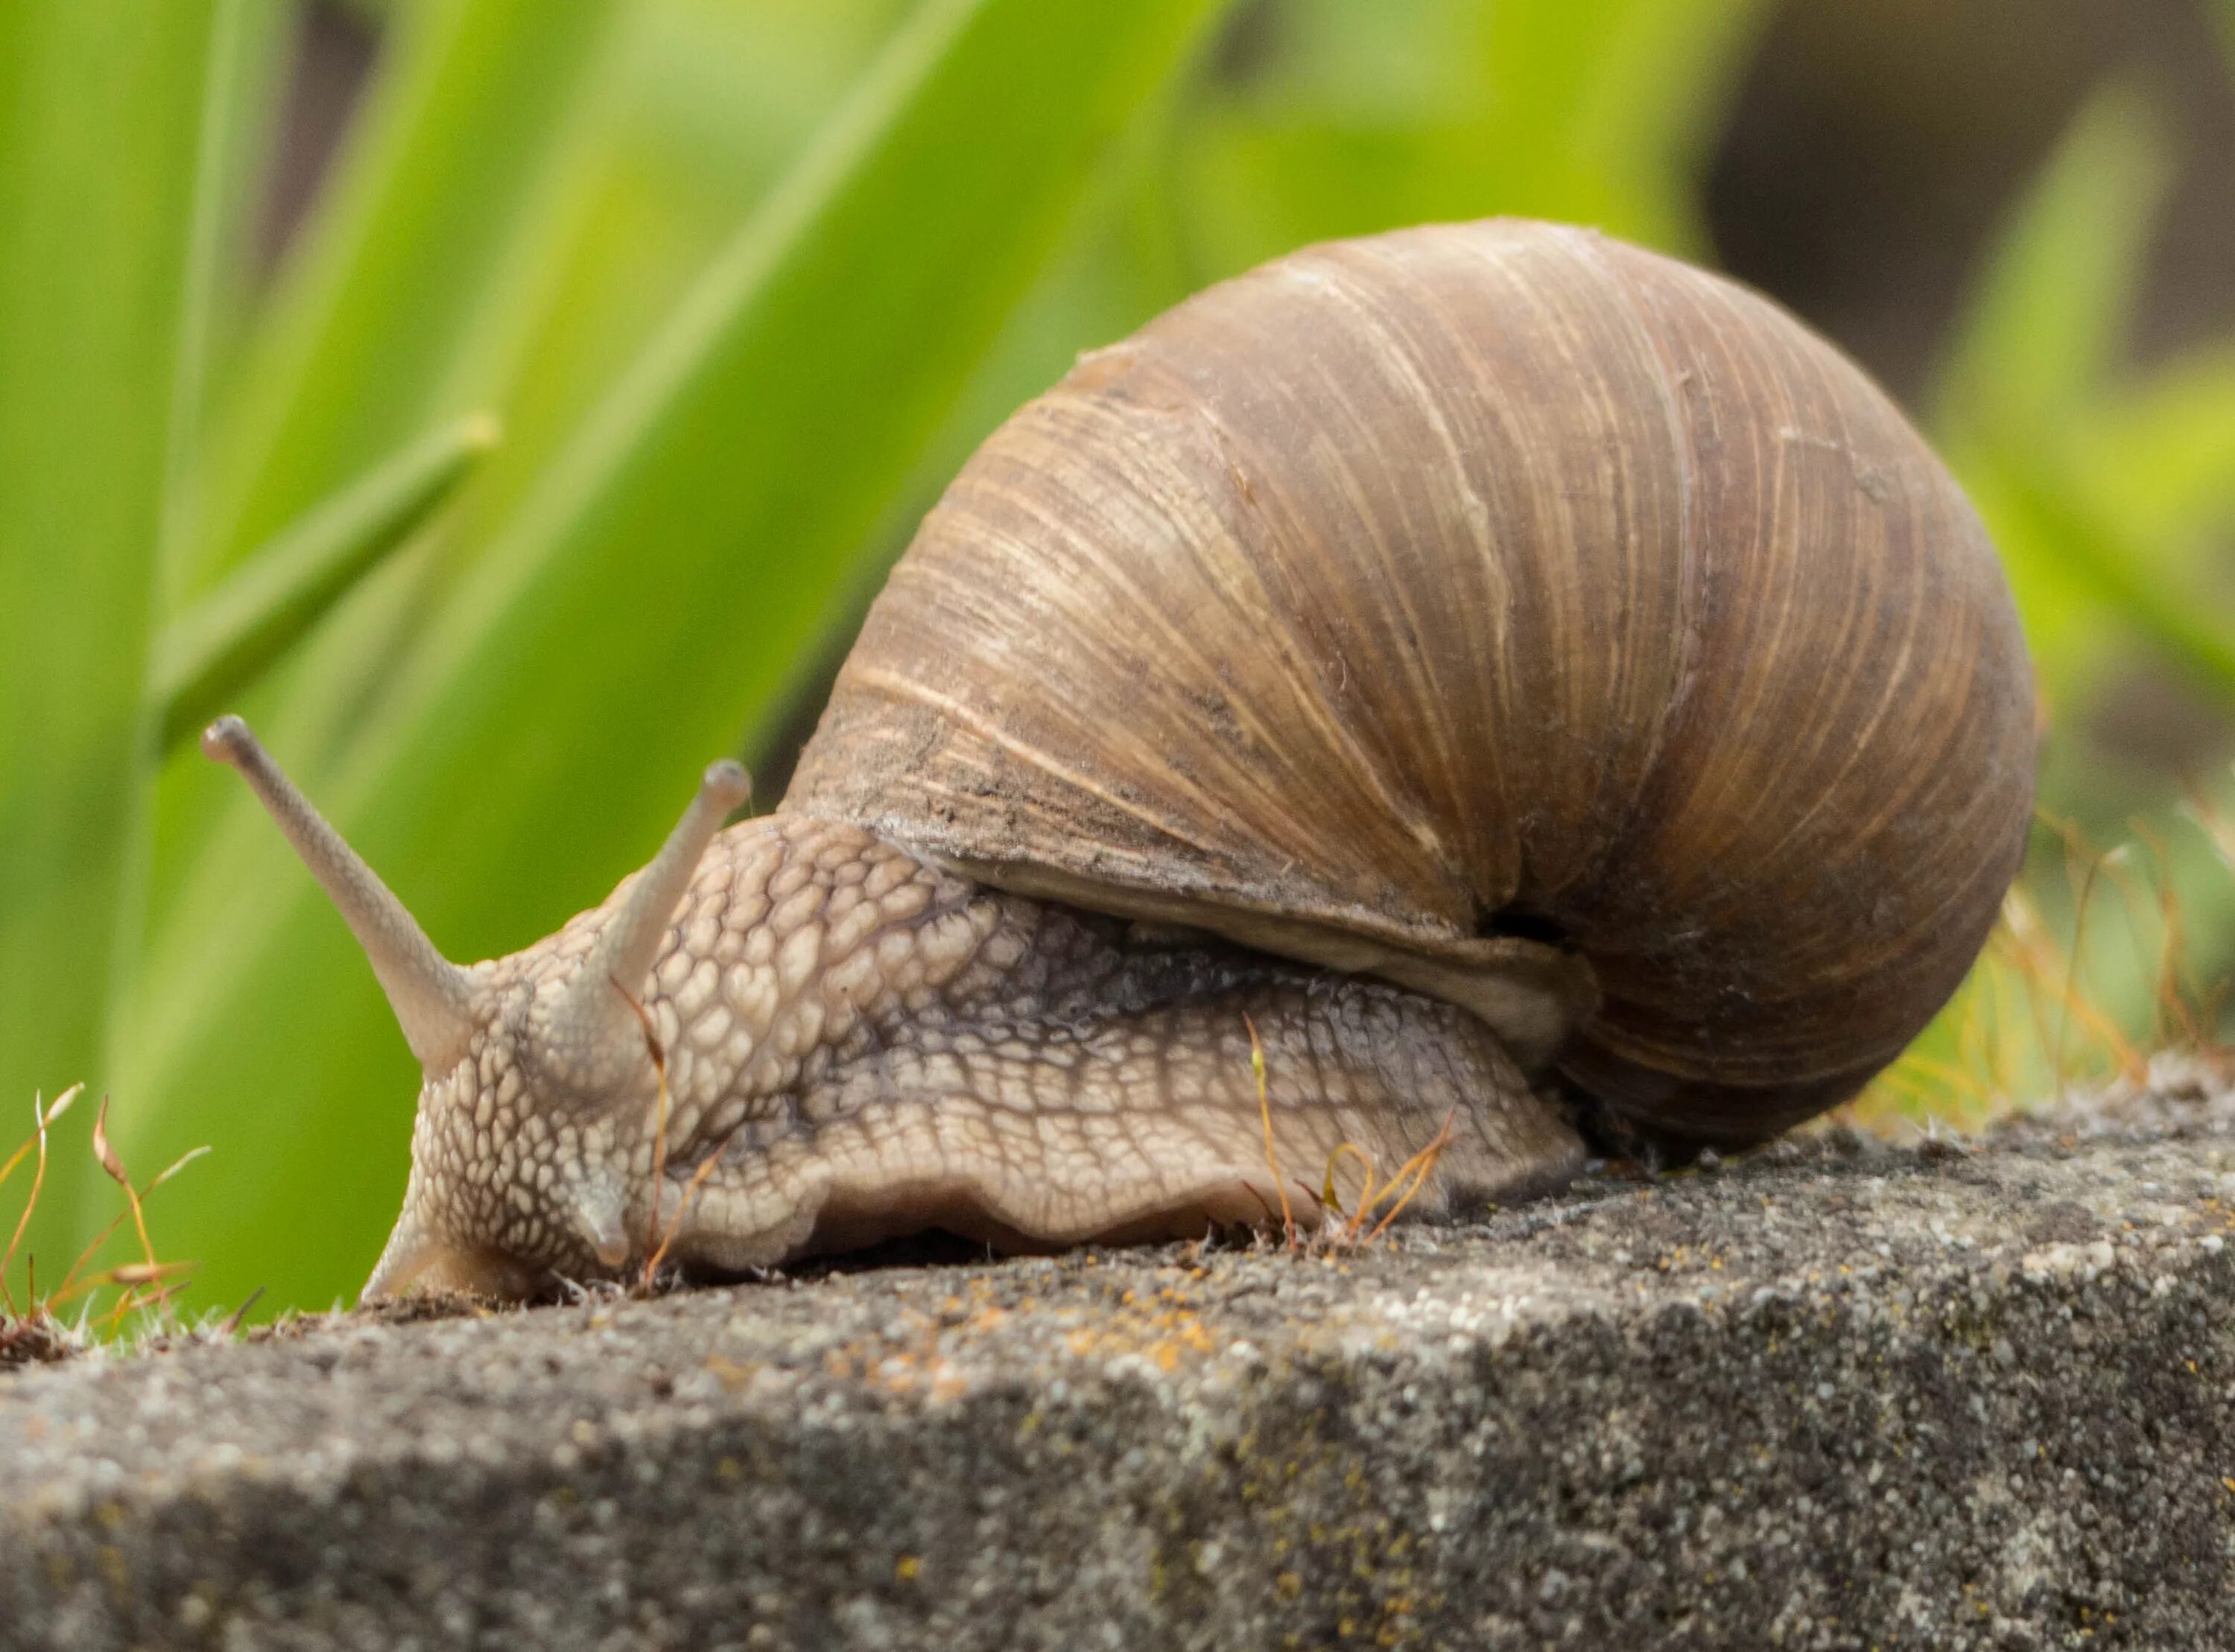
(39, 1124)
(41, 1117)
(1265, 1113)
(2094, 864)
(690, 1192)
(1328, 1198)
(115, 1166)
(1417, 1167)
(653, 1245)
(231, 1326)
(2175, 947)
(70, 1286)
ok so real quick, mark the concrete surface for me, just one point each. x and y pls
(1837, 1395)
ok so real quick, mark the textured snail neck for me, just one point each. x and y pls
(860, 1045)
(433, 998)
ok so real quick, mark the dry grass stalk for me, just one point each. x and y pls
(2035, 1015)
(1389, 1199)
(32, 1328)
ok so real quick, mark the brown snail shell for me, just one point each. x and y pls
(1524, 617)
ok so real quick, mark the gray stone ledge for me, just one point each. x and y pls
(1836, 1395)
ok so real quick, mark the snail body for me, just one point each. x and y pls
(1521, 679)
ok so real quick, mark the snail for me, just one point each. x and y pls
(1524, 689)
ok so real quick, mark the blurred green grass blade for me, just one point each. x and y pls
(1658, 86)
(714, 106)
(641, 613)
(2052, 311)
(241, 38)
(232, 635)
(251, 61)
(417, 238)
(2094, 548)
(597, 274)
(100, 108)
(1600, 114)
(1618, 79)
(2166, 448)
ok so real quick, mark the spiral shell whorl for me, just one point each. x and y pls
(1468, 582)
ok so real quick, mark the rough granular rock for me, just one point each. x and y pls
(1834, 1395)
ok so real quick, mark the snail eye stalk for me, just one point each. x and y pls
(593, 1028)
(433, 998)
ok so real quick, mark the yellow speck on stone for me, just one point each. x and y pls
(907, 1567)
(730, 1469)
(1288, 1585)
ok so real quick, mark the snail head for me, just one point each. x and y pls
(540, 1075)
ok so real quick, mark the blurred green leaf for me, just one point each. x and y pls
(450, 169)
(396, 311)
(590, 281)
(2032, 354)
(1601, 115)
(2092, 547)
(232, 635)
(250, 61)
(101, 106)
(642, 610)
(1630, 93)
(2053, 311)
(2166, 450)
(242, 53)
(715, 102)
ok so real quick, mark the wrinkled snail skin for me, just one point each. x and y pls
(858, 1045)
(1527, 681)
(867, 1047)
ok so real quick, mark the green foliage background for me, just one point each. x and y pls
(740, 282)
